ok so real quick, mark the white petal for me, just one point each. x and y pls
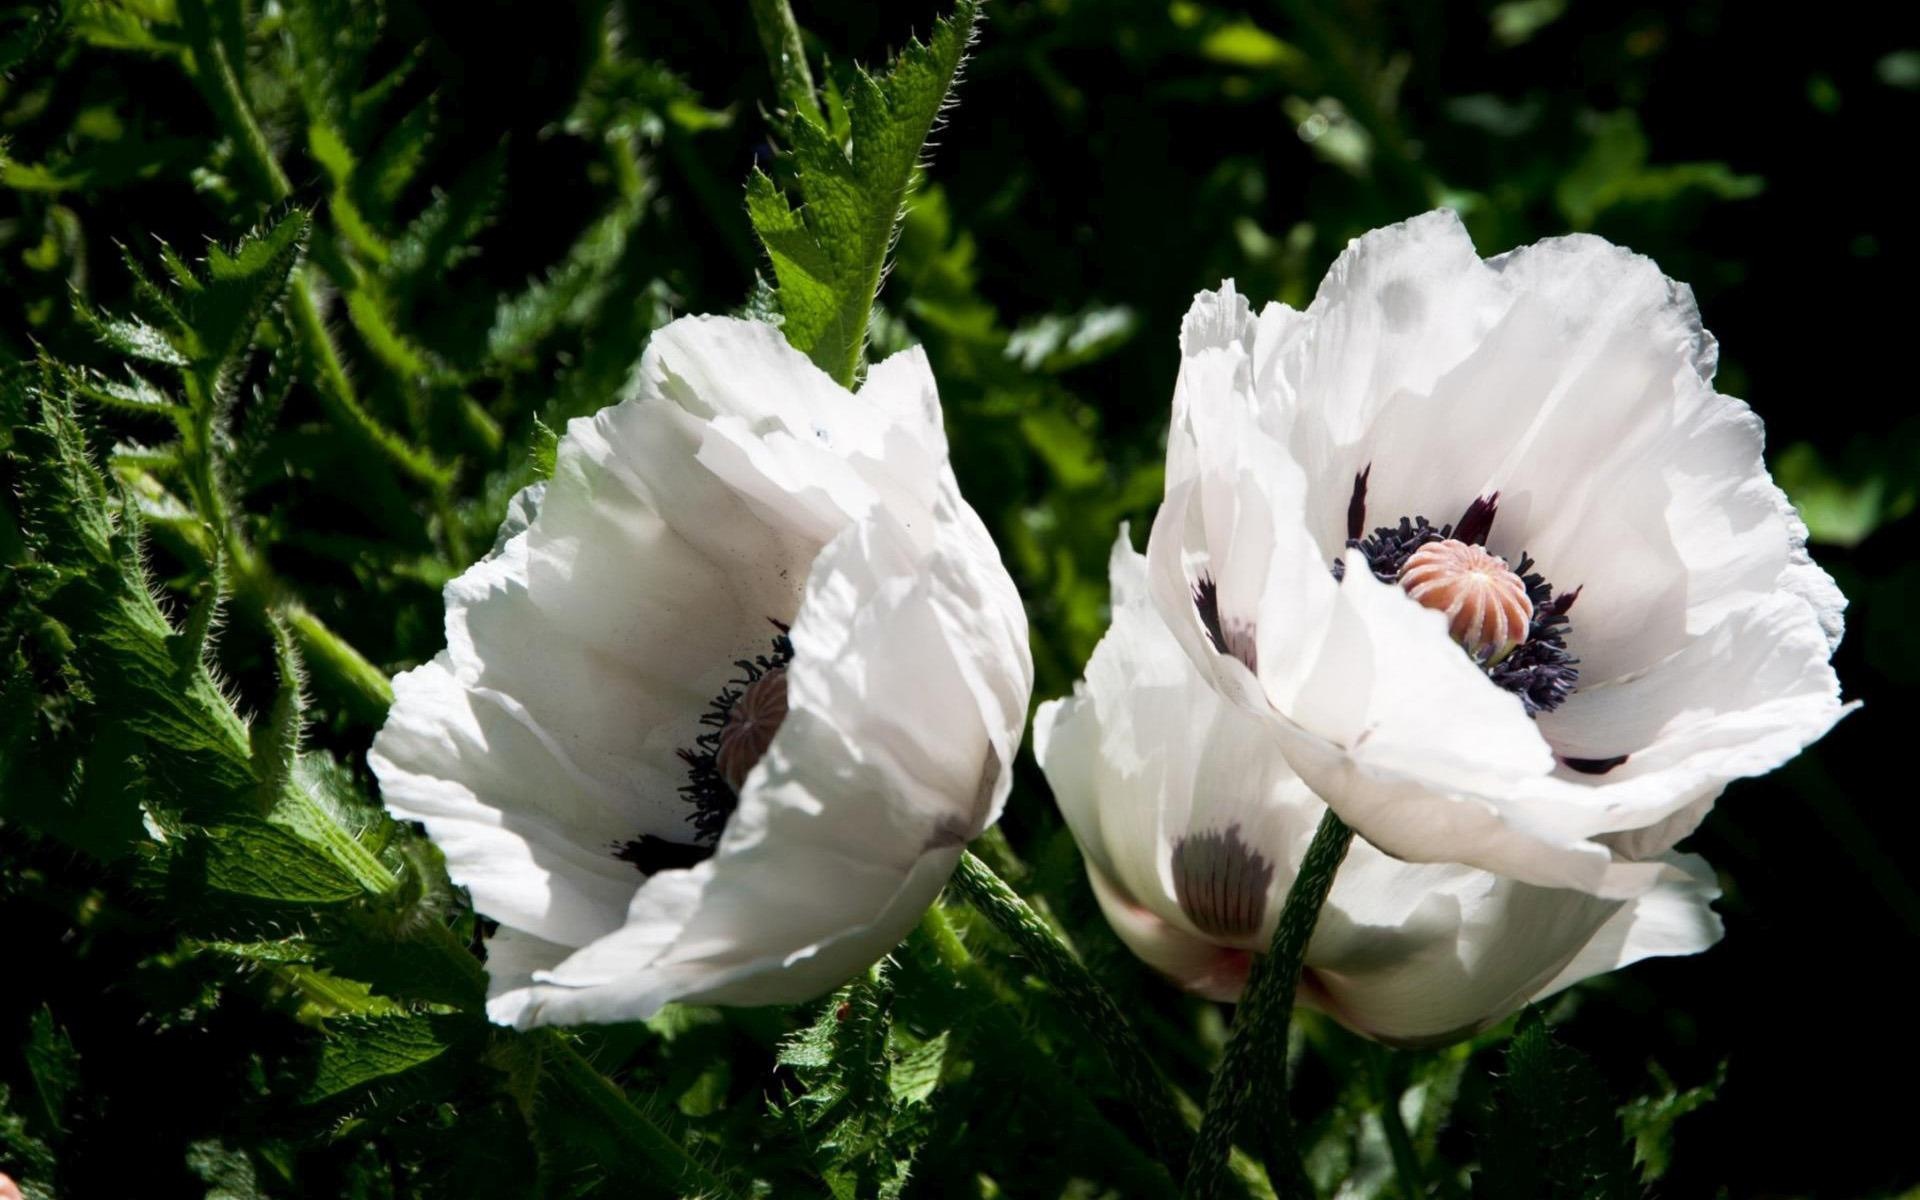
(737, 490)
(887, 764)
(1738, 700)
(530, 838)
(1675, 918)
(1192, 962)
(1426, 955)
(1401, 307)
(1574, 379)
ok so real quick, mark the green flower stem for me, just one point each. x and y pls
(787, 58)
(337, 395)
(328, 655)
(1082, 994)
(993, 1008)
(214, 70)
(1250, 1086)
(581, 1088)
(1387, 1088)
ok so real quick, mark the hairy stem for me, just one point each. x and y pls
(1090, 1004)
(787, 58)
(580, 1086)
(1250, 1085)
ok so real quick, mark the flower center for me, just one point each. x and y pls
(1485, 604)
(1507, 618)
(740, 724)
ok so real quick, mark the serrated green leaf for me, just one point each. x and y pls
(572, 291)
(136, 395)
(360, 1051)
(1056, 343)
(1548, 1130)
(263, 861)
(53, 1065)
(28, 1157)
(829, 249)
(228, 1173)
(122, 639)
(241, 287)
(136, 339)
(1650, 1119)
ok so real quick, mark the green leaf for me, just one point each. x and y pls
(1056, 343)
(262, 861)
(865, 1086)
(572, 292)
(241, 286)
(1843, 506)
(97, 589)
(228, 1173)
(360, 1051)
(1650, 1119)
(135, 339)
(27, 1157)
(829, 249)
(1614, 172)
(53, 1065)
(1548, 1129)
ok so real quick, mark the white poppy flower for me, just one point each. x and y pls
(716, 722)
(1193, 827)
(1498, 438)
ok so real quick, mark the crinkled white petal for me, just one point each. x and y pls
(886, 765)
(1575, 380)
(524, 833)
(1146, 754)
(1421, 954)
(736, 488)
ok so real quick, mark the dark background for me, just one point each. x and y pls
(1105, 160)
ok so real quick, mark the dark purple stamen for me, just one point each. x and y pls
(706, 791)
(1540, 670)
(1477, 522)
(1357, 507)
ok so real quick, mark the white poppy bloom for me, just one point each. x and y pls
(1379, 515)
(1193, 827)
(720, 712)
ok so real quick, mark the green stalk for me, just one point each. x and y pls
(1250, 1085)
(583, 1089)
(787, 58)
(1387, 1089)
(1083, 996)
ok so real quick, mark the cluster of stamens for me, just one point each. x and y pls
(1508, 618)
(738, 726)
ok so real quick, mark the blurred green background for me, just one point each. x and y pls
(509, 196)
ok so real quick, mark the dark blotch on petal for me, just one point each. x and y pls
(1221, 883)
(1237, 640)
(1595, 766)
(1477, 522)
(653, 854)
(1357, 507)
